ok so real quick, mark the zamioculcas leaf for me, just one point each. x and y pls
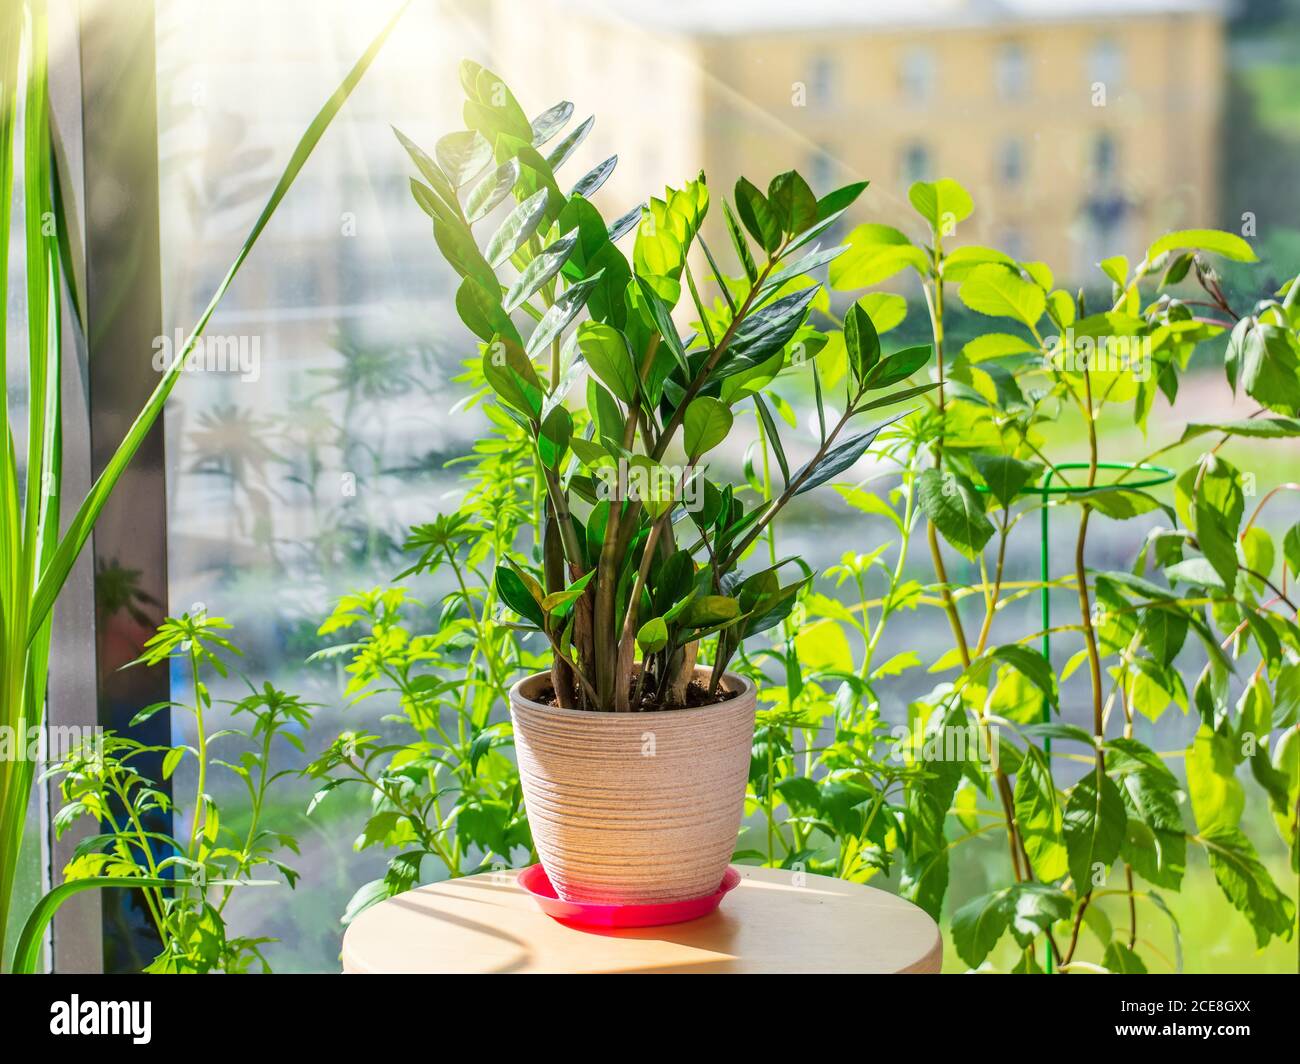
(663, 319)
(709, 610)
(463, 155)
(539, 271)
(773, 437)
(518, 226)
(521, 593)
(839, 200)
(738, 241)
(491, 190)
(561, 314)
(605, 350)
(897, 367)
(590, 452)
(706, 424)
(553, 440)
(482, 313)
(861, 341)
(590, 182)
(550, 122)
(569, 144)
(624, 224)
(757, 214)
(512, 376)
(434, 207)
(768, 329)
(428, 168)
(838, 459)
(792, 202)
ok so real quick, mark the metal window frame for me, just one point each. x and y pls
(103, 92)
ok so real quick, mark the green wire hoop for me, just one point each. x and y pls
(1159, 475)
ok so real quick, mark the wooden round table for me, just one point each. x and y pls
(774, 921)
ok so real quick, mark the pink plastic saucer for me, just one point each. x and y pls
(582, 914)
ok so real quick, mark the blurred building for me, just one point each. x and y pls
(1081, 127)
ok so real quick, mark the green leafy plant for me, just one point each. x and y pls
(35, 559)
(442, 788)
(190, 880)
(640, 556)
(1217, 603)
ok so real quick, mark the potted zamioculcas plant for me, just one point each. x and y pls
(633, 752)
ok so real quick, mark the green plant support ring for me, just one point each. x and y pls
(1157, 475)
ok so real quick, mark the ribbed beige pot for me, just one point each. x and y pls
(634, 808)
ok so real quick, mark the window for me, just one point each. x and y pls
(1011, 161)
(1012, 240)
(1105, 157)
(917, 75)
(915, 163)
(1106, 63)
(821, 81)
(1012, 71)
(821, 170)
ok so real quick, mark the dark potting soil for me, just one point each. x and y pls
(697, 694)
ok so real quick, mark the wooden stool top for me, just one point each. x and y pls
(774, 921)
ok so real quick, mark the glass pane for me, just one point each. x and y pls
(312, 429)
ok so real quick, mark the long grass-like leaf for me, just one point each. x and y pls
(27, 952)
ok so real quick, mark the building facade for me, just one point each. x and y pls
(1080, 129)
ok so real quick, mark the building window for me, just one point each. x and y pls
(916, 163)
(821, 170)
(1105, 157)
(1012, 71)
(1106, 63)
(1012, 241)
(821, 81)
(916, 75)
(1011, 161)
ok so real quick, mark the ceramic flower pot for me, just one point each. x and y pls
(634, 808)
